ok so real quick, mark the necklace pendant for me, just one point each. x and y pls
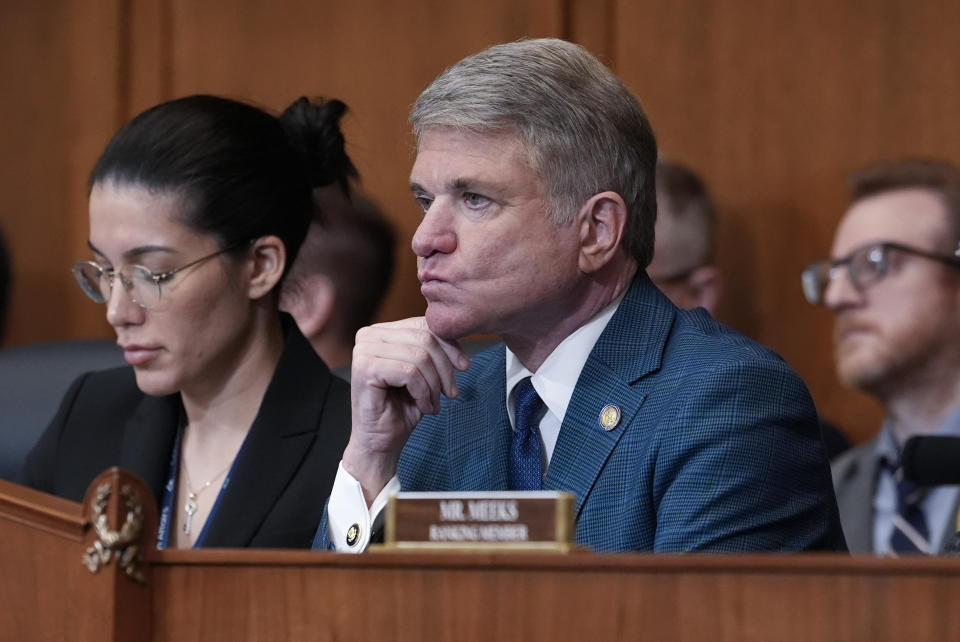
(190, 508)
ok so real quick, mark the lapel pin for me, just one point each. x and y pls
(609, 417)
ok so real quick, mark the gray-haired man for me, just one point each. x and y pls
(535, 173)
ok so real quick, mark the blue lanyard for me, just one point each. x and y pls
(169, 494)
(166, 507)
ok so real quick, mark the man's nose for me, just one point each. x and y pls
(436, 231)
(840, 290)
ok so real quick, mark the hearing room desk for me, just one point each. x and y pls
(237, 595)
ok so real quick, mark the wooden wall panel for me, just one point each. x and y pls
(591, 24)
(57, 77)
(774, 103)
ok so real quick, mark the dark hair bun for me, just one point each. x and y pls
(242, 173)
(313, 129)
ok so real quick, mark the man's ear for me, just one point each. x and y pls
(312, 305)
(267, 256)
(602, 221)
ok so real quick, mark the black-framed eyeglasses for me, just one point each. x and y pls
(143, 286)
(865, 266)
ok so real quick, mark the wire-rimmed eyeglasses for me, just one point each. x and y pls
(142, 285)
(865, 266)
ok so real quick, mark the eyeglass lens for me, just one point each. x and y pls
(864, 267)
(97, 283)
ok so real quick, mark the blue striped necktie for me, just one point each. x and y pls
(526, 463)
(910, 532)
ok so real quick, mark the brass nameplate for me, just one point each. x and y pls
(481, 520)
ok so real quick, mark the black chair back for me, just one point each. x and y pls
(33, 380)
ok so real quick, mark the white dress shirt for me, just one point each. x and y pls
(554, 381)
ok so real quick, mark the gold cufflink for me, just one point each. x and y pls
(353, 535)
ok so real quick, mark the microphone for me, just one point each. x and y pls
(932, 461)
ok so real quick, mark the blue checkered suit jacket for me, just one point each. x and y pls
(718, 448)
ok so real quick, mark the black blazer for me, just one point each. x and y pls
(284, 471)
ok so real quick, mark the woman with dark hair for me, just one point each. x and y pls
(197, 209)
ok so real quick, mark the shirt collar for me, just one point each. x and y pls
(556, 378)
(888, 450)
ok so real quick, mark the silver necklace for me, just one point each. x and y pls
(191, 506)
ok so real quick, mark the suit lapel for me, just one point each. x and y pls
(583, 445)
(855, 501)
(279, 439)
(478, 430)
(630, 348)
(148, 438)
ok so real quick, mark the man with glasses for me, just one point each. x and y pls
(683, 257)
(893, 282)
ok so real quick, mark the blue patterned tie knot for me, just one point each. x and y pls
(526, 462)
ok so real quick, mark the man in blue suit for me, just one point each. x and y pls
(535, 173)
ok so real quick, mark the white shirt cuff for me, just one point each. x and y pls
(349, 522)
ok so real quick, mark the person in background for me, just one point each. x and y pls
(197, 208)
(341, 275)
(535, 174)
(893, 285)
(684, 257)
(683, 264)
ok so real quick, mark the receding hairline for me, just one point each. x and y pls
(946, 214)
(513, 131)
(522, 152)
(937, 177)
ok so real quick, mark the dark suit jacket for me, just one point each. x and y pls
(284, 471)
(718, 447)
